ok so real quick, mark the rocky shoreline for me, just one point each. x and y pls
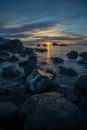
(31, 98)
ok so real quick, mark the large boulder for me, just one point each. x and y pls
(12, 45)
(57, 60)
(38, 80)
(67, 71)
(8, 113)
(81, 84)
(50, 111)
(72, 55)
(10, 72)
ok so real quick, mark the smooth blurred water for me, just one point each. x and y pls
(61, 51)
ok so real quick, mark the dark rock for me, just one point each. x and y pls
(50, 111)
(83, 54)
(67, 71)
(32, 59)
(57, 60)
(28, 51)
(55, 44)
(81, 84)
(23, 63)
(44, 45)
(83, 61)
(13, 58)
(22, 55)
(38, 80)
(40, 50)
(10, 72)
(29, 68)
(63, 45)
(38, 45)
(72, 55)
(8, 113)
(4, 55)
(12, 45)
(83, 103)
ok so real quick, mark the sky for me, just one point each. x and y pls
(31, 21)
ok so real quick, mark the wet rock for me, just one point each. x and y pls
(72, 55)
(22, 55)
(55, 44)
(67, 71)
(57, 60)
(38, 45)
(12, 45)
(4, 55)
(29, 68)
(23, 63)
(38, 80)
(8, 113)
(32, 59)
(63, 45)
(44, 45)
(83, 61)
(13, 58)
(10, 72)
(27, 51)
(83, 103)
(50, 111)
(81, 84)
(40, 50)
(83, 54)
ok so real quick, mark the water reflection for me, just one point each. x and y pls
(48, 52)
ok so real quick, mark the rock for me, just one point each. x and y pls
(81, 84)
(55, 44)
(32, 59)
(38, 80)
(50, 71)
(12, 45)
(13, 58)
(4, 55)
(83, 103)
(83, 54)
(23, 63)
(50, 111)
(40, 50)
(44, 45)
(22, 55)
(63, 45)
(83, 61)
(57, 60)
(8, 113)
(38, 45)
(29, 68)
(10, 72)
(28, 51)
(67, 71)
(72, 55)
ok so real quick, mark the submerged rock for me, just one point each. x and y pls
(38, 80)
(67, 71)
(4, 55)
(40, 50)
(57, 60)
(50, 111)
(10, 72)
(81, 84)
(72, 55)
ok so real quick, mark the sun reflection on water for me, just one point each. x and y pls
(48, 52)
